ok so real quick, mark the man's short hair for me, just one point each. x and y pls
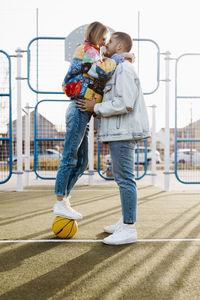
(125, 39)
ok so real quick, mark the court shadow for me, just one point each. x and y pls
(173, 221)
(101, 235)
(92, 199)
(28, 216)
(20, 197)
(13, 258)
(144, 187)
(150, 197)
(47, 285)
(147, 273)
(162, 270)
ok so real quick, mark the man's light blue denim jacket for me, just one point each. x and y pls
(123, 114)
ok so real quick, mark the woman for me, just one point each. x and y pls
(85, 79)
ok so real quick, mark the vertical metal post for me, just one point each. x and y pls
(37, 73)
(91, 151)
(153, 146)
(19, 123)
(138, 58)
(167, 131)
(27, 145)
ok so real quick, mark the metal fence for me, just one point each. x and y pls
(48, 139)
(44, 77)
(45, 70)
(5, 118)
(141, 150)
(186, 154)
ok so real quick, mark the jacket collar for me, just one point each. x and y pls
(89, 44)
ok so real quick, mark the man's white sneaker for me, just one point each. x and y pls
(125, 234)
(60, 209)
(112, 228)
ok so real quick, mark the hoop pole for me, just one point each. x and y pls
(19, 123)
(27, 145)
(167, 132)
(91, 151)
(153, 146)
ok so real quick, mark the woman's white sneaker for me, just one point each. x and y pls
(125, 234)
(112, 228)
(60, 209)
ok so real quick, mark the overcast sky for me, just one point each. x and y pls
(173, 24)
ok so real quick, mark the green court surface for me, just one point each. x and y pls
(163, 264)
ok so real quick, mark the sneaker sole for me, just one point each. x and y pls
(67, 217)
(108, 231)
(120, 243)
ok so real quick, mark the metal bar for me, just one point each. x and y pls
(99, 163)
(175, 121)
(176, 140)
(145, 162)
(48, 139)
(37, 64)
(158, 64)
(35, 138)
(188, 140)
(188, 97)
(138, 44)
(153, 146)
(167, 133)
(27, 146)
(137, 159)
(91, 151)
(112, 178)
(10, 118)
(28, 65)
(63, 38)
(19, 125)
(42, 177)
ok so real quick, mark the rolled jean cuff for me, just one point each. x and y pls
(129, 223)
(59, 194)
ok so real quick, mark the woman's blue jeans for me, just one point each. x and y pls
(75, 152)
(122, 154)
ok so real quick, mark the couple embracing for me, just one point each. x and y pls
(109, 88)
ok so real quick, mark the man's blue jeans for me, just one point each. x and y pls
(75, 152)
(122, 154)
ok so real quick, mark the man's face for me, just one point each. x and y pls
(111, 46)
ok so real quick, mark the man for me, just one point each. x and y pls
(124, 121)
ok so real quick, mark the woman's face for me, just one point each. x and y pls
(103, 40)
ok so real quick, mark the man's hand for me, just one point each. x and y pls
(129, 56)
(85, 105)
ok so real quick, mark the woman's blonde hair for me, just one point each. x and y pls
(94, 32)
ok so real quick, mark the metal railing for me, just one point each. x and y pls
(6, 137)
(138, 164)
(34, 42)
(187, 170)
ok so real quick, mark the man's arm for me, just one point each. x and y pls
(126, 91)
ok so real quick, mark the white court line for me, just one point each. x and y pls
(97, 241)
(84, 190)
